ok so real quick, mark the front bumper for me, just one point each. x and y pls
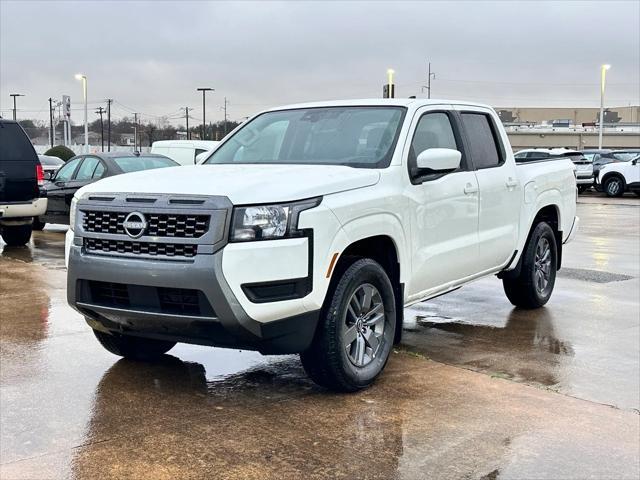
(585, 180)
(226, 324)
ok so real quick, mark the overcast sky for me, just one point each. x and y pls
(151, 56)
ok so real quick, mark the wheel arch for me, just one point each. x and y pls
(549, 213)
(384, 250)
(609, 175)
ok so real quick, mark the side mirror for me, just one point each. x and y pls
(439, 159)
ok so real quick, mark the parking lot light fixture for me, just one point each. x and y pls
(390, 73)
(603, 75)
(82, 77)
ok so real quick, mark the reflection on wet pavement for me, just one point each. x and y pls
(69, 409)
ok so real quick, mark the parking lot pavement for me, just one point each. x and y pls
(477, 390)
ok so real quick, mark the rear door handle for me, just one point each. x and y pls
(470, 189)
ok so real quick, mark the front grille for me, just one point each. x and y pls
(174, 301)
(140, 248)
(160, 224)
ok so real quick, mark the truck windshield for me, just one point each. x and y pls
(354, 136)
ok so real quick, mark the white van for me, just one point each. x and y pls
(183, 151)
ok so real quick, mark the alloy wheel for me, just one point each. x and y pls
(363, 325)
(542, 268)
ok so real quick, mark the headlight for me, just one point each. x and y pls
(72, 213)
(268, 222)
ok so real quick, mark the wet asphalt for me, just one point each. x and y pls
(477, 390)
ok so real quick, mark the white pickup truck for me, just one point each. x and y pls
(310, 228)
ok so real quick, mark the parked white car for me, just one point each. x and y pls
(617, 178)
(311, 227)
(183, 151)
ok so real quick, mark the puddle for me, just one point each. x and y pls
(597, 276)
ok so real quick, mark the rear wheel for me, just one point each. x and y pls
(532, 288)
(355, 336)
(136, 348)
(37, 224)
(16, 235)
(614, 187)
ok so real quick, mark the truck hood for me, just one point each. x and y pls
(242, 184)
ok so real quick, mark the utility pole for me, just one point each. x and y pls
(225, 116)
(100, 111)
(14, 95)
(204, 90)
(430, 75)
(51, 120)
(186, 114)
(109, 100)
(135, 132)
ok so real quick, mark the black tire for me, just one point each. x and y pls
(327, 361)
(37, 224)
(16, 235)
(524, 290)
(583, 188)
(135, 348)
(614, 186)
(637, 193)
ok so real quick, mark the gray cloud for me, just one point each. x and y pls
(150, 56)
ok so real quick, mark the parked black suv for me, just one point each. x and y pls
(21, 176)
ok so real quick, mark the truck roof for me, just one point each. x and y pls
(389, 102)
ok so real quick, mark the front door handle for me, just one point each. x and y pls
(512, 183)
(470, 189)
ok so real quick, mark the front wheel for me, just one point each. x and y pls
(532, 288)
(135, 348)
(16, 235)
(355, 336)
(614, 187)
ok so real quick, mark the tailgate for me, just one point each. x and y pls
(18, 160)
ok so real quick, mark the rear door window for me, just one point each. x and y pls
(483, 140)
(85, 172)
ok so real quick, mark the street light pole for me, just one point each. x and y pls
(204, 90)
(14, 95)
(82, 77)
(603, 74)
